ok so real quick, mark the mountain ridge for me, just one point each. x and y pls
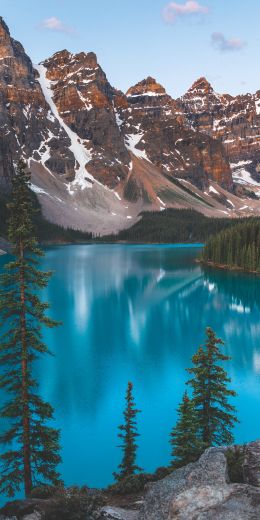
(99, 156)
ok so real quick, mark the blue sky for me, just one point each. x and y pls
(175, 42)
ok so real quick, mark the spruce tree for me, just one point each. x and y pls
(184, 438)
(32, 446)
(128, 434)
(216, 416)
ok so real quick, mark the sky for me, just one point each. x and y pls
(174, 42)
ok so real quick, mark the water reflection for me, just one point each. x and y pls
(138, 313)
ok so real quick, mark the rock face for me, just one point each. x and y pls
(201, 491)
(85, 102)
(27, 126)
(155, 128)
(233, 120)
(99, 157)
(252, 464)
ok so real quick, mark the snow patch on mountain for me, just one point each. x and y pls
(257, 106)
(144, 94)
(241, 175)
(81, 154)
(131, 141)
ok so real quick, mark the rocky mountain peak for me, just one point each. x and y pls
(202, 86)
(6, 48)
(201, 98)
(3, 28)
(65, 66)
(147, 87)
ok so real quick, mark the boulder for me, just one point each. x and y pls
(252, 464)
(201, 491)
(117, 513)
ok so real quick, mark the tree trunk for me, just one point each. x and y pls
(25, 396)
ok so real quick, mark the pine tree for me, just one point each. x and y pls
(184, 439)
(238, 246)
(32, 452)
(216, 416)
(128, 434)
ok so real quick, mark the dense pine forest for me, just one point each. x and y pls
(173, 226)
(237, 247)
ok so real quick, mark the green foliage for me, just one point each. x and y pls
(32, 445)
(136, 483)
(128, 434)
(44, 491)
(215, 415)
(237, 247)
(131, 485)
(235, 459)
(184, 439)
(172, 226)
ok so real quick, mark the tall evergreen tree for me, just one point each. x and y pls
(128, 434)
(184, 439)
(32, 452)
(216, 416)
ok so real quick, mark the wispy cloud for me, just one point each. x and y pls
(55, 24)
(174, 10)
(223, 44)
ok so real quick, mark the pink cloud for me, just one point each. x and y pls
(223, 44)
(55, 24)
(174, 10)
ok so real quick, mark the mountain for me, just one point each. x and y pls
(99, 157)
(235, 121)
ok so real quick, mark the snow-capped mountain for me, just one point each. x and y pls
(235, 121)
(99, 156)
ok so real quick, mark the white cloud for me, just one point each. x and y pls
(174, 10)
(223, 44)
(55, 24)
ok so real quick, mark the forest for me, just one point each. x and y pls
(173, 226)
(237, 247)
(165, 227)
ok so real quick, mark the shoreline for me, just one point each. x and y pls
(225, 267)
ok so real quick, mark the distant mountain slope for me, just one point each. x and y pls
(99, 157)
(233, 120)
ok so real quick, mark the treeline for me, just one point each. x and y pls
(44, 230)
(169, 226)
(172, 226)
(237, 247)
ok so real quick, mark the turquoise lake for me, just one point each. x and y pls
(138, 313)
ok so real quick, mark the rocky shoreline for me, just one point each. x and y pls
(200, 491)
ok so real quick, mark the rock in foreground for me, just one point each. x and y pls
(201, 491)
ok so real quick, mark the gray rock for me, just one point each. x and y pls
(8, 517)
(252, 464)
(117, 513)
(200, 491)
(33, 516)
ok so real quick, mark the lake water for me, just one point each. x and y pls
(138, 313)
